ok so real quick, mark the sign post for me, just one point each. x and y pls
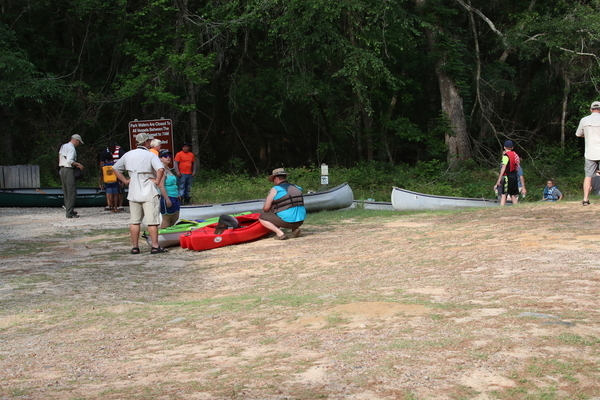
(161, 129)
(324, 174)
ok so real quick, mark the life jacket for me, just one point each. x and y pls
(549, 193)
(513, 162)
(108, 175)
(293, 198)
(115, 154)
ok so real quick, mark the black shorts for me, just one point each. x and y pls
(510, 184)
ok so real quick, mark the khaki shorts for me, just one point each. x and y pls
(591, 167)
(149, 211)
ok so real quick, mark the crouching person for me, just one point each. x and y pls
(284, 206)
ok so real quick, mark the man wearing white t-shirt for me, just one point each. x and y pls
(145, 171)
(589, 128)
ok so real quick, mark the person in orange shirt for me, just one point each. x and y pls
(185, 169)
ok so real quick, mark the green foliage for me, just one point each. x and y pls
(300, 82)
(19, 77)
(374, 180)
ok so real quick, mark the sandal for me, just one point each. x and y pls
(585, 203)
(135, 250)
(156, 250)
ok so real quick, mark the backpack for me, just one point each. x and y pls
(108, 175)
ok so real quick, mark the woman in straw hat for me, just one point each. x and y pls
(284, 206)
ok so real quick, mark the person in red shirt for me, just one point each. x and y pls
(185, 169)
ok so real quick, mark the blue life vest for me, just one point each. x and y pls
(549, 194)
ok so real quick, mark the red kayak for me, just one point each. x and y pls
(210, 237)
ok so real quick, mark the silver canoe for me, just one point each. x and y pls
(372, 205)
(339, 197)
(405, 200)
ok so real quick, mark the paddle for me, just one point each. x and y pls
(40, 191)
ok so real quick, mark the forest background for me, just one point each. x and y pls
(419, 94)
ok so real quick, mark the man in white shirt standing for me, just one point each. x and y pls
(589, 128)
(145, 172)
(67, 161)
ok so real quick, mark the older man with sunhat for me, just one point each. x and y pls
(145, 172)
(67, 161)
(284, 206)
(589, 128)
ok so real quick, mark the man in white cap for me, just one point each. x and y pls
(67, 161)
(145, 172)
(589, 128)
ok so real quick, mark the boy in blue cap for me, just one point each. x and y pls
(508, 181)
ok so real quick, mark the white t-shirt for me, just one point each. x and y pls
(589, 127)
(142, 165)
(67, 155)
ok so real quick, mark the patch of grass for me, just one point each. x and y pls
(335, 320)
(245, 302)
(576, 340)
(25, 248)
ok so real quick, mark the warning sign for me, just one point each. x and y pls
(161, 129)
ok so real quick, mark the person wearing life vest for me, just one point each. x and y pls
(551, 192)
(112, 186)
(284, 206)
(507, 183)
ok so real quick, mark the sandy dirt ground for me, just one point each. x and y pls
(498, 303)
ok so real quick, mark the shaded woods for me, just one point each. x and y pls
(256, 84)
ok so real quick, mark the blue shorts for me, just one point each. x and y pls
(111, 188)
(175, 206)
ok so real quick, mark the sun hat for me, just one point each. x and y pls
(164, 153)
(595, 105)
(142, 138)
(509, 144)
(278, 172)
(77, 137)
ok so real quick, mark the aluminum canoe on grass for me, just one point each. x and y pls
(333, 199)
(405, 200)
(372, 205)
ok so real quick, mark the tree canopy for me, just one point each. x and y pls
(257, 84)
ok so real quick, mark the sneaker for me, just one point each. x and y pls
(282, 237)
(72, 216)
(107, 209)
(296, 233)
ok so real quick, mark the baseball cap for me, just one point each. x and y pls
(595, 105)
(141, 138)
(77, 137)
(509, 144)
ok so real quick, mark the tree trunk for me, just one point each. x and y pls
(384, 130)
(367, 124)
(565, 103)
(194, 121)
(457, 141)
